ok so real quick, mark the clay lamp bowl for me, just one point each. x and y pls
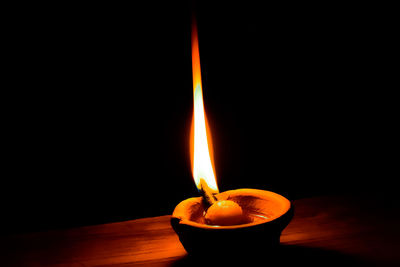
(265, 215)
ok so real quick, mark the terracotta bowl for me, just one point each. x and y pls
(266, 214)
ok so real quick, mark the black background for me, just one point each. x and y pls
(98, 105)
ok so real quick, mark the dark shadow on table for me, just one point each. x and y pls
(284, 255)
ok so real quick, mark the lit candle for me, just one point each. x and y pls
(241, 217)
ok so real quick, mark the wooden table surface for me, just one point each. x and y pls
(325, 231)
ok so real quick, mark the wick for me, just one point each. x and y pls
(206, 193)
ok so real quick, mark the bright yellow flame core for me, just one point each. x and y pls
(202, 165)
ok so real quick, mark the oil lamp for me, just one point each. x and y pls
(233, 220)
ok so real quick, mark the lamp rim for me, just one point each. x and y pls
(263, 194)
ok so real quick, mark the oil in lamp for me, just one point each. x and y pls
(233, 220)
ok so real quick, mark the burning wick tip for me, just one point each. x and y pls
(220, 212)
(207, 193)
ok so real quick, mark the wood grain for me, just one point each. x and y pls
(325, 231)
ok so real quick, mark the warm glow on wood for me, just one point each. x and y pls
(202, 165)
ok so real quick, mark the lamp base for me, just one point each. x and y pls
(268, 214)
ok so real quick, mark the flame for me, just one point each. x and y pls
(201, 144)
